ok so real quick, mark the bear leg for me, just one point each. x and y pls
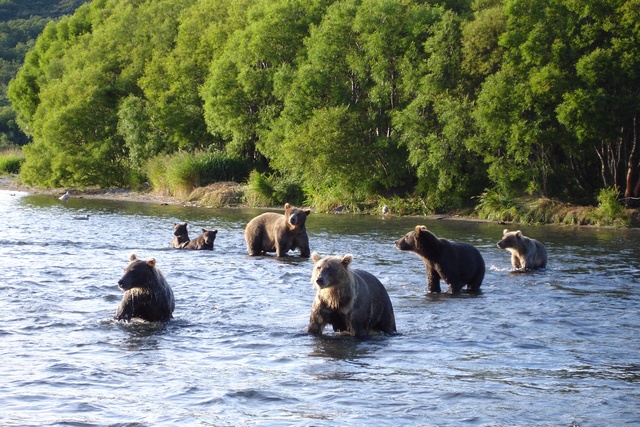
(433, 282)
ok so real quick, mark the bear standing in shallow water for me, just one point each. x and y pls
(352, 301)
(273, 232)
(458, 264)
(147, 295)
(526, 253)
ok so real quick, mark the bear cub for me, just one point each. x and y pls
(526, 253)
(354, 302)
(202, 242)
(458, 264)
(180, 235)
(274, 232)
(147, 295)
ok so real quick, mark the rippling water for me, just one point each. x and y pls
(558, 347)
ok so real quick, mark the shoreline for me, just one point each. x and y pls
(10, 184)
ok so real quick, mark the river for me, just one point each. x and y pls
(557, 347)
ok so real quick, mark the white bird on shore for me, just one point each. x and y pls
(82, 217)
(385, 210)
(65, 196)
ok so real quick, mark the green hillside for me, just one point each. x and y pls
(20, 23)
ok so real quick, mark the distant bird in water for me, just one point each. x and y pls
(385, 210)
(82, 217)
(65, 196)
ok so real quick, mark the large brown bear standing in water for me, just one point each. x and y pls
(526, 253)
(273, 232)
(180, 235)
(458, 264)
(352, 301)
(202, 242)
(147, 295)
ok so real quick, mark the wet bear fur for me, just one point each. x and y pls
(274, 232)
(526, 253)
(458, 264)
(203, 241)
(147, 295)
(180, 235)
(354, 302)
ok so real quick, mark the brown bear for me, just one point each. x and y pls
(147, 295)
(202, 242)
(274, 232)
(458, 264)
(354, 302)
(526, 253)
(180, 235)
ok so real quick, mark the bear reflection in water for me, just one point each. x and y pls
(147, 295)
(458, 264)
(354, 302)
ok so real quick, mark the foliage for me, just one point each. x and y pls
(20, 23)
(178, 174)
(10, 161)
(272, 190)
(340, 103)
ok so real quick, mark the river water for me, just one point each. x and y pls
(559, 347)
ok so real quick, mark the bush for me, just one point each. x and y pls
(178, 174)
(610, 210)
(496, 207)
(10, 161)
(273, 190)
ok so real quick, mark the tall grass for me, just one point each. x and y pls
(610, 212)
(178, 174)
(10, 161)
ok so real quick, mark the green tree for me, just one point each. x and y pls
(239, 92)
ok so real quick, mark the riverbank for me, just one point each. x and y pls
(231, 194)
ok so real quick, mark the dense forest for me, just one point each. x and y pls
(351, 99)
(20, 23)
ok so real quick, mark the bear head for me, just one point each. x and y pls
(510, 239)
(209, 236)
(179, 229)
(412, 240)
(138, 274)
(295, 217)
(331, 271)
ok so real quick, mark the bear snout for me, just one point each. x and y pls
(320, 282)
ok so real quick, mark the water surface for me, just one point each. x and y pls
(557, 347)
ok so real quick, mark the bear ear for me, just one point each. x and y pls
(204, 230)
(215, 231)
(286, 206)
(504, 232)
(307, 212)
(420, 228)
(518, 233)
(133, 257)
(315, 257)
(151, 262)
(346, 260)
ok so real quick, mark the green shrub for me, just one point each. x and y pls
(496, 207)
(10, 161)
(610, 211)
(273, 190)
(178, 174)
